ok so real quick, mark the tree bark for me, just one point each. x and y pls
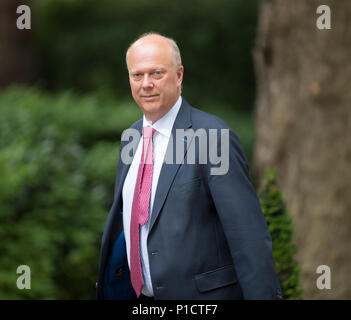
(303, 117)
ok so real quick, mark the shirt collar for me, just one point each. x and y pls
(165, 124)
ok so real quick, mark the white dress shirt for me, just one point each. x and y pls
(163, 127)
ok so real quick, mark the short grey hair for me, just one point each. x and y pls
(173, 45)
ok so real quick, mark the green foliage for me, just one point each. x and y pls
(58, 157)
(82, 44)
(280, 226)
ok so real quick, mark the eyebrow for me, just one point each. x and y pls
(151, 70)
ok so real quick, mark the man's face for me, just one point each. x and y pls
(154, 80)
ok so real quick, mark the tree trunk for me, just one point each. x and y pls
(303, 117)
(16, 58)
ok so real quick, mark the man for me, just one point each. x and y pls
(176, 230)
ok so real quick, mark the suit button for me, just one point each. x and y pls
(154, 253)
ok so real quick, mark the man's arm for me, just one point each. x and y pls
(244, 225)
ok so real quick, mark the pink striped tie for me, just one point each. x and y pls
(140, 207)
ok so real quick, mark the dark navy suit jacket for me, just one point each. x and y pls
(208, 238)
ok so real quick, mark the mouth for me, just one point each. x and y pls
(149, 97)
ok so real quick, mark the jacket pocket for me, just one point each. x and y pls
(214, 279)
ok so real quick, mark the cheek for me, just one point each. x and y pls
(167, 87)
(135, 92)
(133, 87)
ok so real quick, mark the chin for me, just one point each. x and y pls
(150, 106)
(148, 110)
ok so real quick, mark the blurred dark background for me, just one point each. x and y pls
(82, 44)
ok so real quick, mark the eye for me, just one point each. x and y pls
(137, 76)
(157, 74)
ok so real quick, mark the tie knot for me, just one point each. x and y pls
(148, 132)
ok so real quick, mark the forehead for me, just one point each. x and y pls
(149, 54)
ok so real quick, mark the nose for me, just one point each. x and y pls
(147, 82)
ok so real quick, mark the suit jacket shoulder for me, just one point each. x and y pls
(203, 119)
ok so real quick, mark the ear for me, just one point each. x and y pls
(180, 73)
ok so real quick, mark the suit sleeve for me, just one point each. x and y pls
(244, 226)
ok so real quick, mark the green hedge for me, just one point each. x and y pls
(58, 157)
(281, 228)
(81, 44)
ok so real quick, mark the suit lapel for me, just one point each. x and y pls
(114, 214)
(167, 174)
(168, 171)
